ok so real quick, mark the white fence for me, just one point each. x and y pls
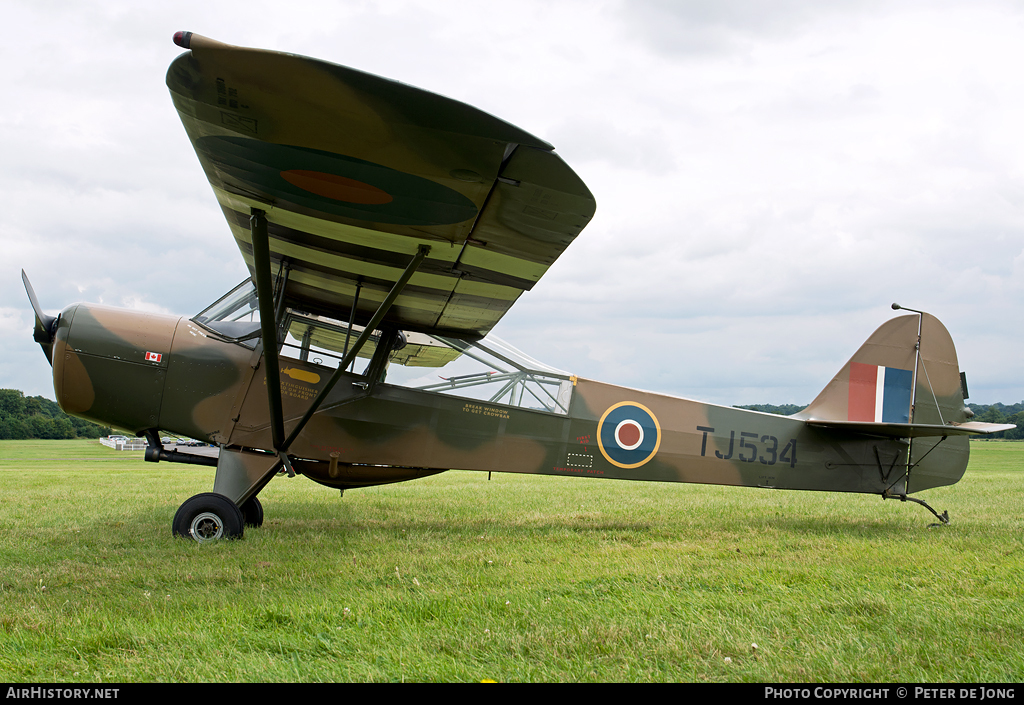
(122, 443)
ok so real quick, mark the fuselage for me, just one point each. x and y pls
(141, 371)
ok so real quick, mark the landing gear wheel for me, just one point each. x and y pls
(252, 511)
(208, 517)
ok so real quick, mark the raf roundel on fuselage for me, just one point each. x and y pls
(355, 172)
(628, 434)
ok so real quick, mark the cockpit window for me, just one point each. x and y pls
(489, 370)
(321, 340)
(493, 371)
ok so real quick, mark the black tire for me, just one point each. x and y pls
(252, 512)
(208, 517)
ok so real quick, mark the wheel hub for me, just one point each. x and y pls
(207, 526)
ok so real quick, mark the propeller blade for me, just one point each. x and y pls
(46, 325)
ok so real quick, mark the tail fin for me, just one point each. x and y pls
(904, 382)
(888, 380)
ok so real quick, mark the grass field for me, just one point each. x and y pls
(521, 578)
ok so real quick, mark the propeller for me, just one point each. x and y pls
(46, 326)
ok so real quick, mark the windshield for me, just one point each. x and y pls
(235, 315)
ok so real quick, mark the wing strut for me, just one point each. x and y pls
(352, 315)
(350, 356)
(268, 321)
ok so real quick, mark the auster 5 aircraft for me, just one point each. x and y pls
(382, 222)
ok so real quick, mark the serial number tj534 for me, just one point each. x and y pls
(752, 447)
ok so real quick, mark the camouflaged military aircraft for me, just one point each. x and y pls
(383, 222)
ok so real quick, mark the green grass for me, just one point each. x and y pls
(523, 578)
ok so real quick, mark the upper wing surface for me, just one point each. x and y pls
(356, 171)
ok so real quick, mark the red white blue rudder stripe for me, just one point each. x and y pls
(879, 394)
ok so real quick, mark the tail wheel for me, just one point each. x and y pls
(208, 517)
(252, 512)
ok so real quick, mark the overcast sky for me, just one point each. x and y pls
(769, 176)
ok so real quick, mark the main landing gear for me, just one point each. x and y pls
(232, 506)
(210, 517)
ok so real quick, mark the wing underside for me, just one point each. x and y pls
(356, 172)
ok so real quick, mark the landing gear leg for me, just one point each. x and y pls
(240, 477)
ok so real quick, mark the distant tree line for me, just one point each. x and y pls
(987, 413)
(1001, 413)
(24, 417)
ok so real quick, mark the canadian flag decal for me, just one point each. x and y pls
(153, 357)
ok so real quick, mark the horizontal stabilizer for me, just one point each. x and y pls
(912, 430)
